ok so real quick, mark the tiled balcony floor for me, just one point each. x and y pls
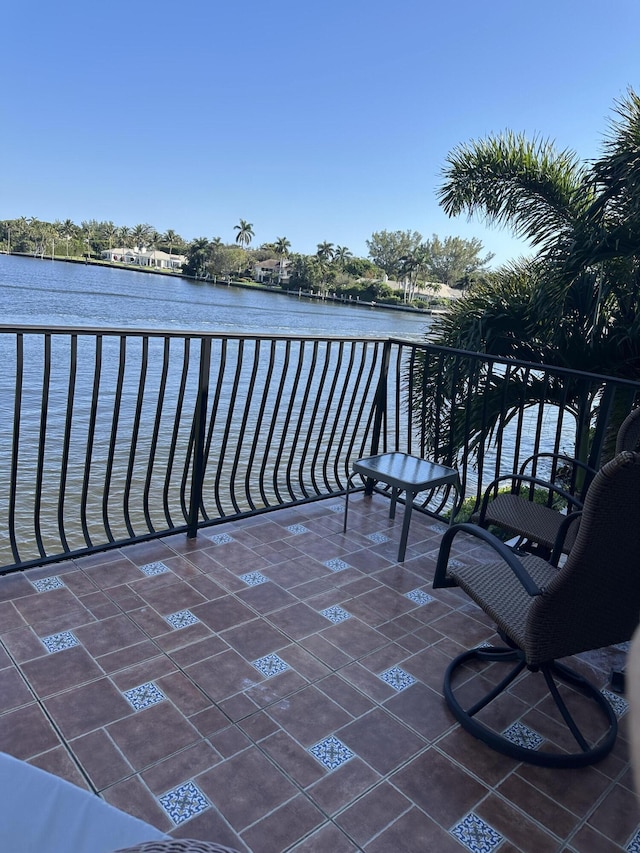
(225, 695)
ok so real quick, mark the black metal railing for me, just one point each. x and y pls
(114, 436)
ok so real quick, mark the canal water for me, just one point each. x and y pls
(79, 296)
(56, 293)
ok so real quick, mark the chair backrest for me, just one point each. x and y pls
(594, 600)
(628, 437)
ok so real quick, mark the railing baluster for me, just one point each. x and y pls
(199, 437)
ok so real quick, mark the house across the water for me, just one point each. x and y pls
(145, 258)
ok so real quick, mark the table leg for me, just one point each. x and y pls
(394, 498)
(408, 506)
(346, 503)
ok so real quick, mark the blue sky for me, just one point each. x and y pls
(323, 121)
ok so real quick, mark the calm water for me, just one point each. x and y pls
(34, 291)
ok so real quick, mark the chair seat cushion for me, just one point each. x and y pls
(531, 520)
(495, 588)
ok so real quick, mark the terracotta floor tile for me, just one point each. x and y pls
(298, 620)
(223, 613)
(59, 762)
(13, 690)
(342, 786)
(229, 741)
(439, 787)
(171, 597)
(328, 837)
(26, 732)
(266, 597)
(255, 639)
(119, 571)
(381, 741)
(353, 701)
(179, 768)
(223, 675)
(309, 716)
(372, 813)
(23, 644)
(296, 762)
(187, 698)
(513, 826)
(124, 658)
(277, 687)
(133, 797)
(278, 830)
(110, 635)
(618, 816)
(199, 650)
(101, 760)
(246, 787)
(423, 710)
(414, 832)
(354, 638)
(152, 734)
(82, 709)
(61, 670)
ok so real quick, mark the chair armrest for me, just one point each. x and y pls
(440, 578)
(525, 478)
(572, 518)
(558, 457)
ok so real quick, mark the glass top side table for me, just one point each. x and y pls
(404, 473)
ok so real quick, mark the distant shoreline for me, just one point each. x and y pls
(242, 284)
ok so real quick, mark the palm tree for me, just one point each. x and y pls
(245, 233)
(141, 235)
(325, 251)
(411, 266)
(67, 230)
(341, 256)
(575, 303)
(170, 238)
(109, 232)
(281, 248)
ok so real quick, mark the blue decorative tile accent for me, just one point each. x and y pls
(297, 529)
(221, 538)
(337, 507)
(253, 578)
(181, 619)
(336, 565)
(476, 834)
(335, 614)
(623, 647)
(144, 695)
(397, 678)
(46, 584)
(619, 705)
(523, 736)
(418, 596)
(184, 802)
(378, 538)
(270, 665)
(457, 564)
(60, 642)
(156, 568)
(331, 752)
(438, 528)
(634, 844)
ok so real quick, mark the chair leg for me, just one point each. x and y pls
(587, 753)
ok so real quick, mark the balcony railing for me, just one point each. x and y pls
(108, 437)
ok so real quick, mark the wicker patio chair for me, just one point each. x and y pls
(539, 527)
(178, 845)
(544, 613)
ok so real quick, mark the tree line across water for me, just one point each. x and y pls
(403, 256)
